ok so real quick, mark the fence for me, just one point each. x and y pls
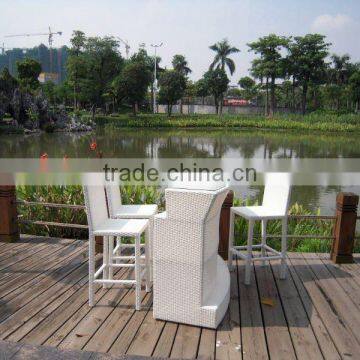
(211, 109)
(343, 237)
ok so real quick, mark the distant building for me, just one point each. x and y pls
(46, 76)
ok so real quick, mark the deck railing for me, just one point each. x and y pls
(343, 237)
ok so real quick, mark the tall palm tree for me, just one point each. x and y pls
(223, 49)
(341, 67)
(180, 65)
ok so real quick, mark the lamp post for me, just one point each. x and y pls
(155, 46)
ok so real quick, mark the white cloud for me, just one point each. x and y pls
(326, 22)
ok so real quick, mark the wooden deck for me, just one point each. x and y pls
(313, 314)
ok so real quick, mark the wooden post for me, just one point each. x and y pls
(9, 230)
(344, 230)
(224, 225)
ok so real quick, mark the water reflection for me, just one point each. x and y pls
(160, 143)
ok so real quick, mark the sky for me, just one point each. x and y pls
(185, 27)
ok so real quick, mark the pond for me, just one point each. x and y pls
(198, 143)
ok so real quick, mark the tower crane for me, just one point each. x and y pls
(127, 46)
(50, 36)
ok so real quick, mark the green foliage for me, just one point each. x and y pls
(133, 82)
(270, 64)
(180, 65)
(216, 82)
(172, 87)
(307, 56)
(222, 52)
(355, 87)
(28, 73)
(310, 122)
(153, 195)
(92, 65)
(249, 87)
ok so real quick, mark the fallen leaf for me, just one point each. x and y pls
(81, 335)
(268, 301)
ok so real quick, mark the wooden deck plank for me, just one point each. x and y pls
(31, 265)
(279, 341)
(316, 312)
(28, 279)
(252, 327)
(88, 326)
(341, 336)
(344, 278)
(166, 340)
(303, 337)
(186, 342)
(57, 318)
(24, 313)
(145, 340)
(323, 338)
(340, 301)
(52, 283)
(123, 341)
(110, 329)
(228, 335)
(207, 344)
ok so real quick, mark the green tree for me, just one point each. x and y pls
(217, 83)
(76, 64)
(172, 87)
(28, 72)
(355, 89)
(249, 87)
(201, 89)
(223, 50)
(180, 65)
(308, 54)
(271, 62)
(132, 83)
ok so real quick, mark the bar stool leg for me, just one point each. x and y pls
(106, 260)
(249, 252)
(91, 269)
(118, 245)
(111, 254)
(147, 259)
(137, 273)
(231, 240)
(283, 248)
(263, 240)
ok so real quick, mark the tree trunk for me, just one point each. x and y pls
(293, 103)
(357, 105)
(221, 105)
(216, 105)
(134, 109)
(304, 98)
(180, 106)
(267, 97)
(272, 100)
(169, 109)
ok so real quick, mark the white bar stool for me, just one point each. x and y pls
(110, 229)
(119, 211)
(274, 207)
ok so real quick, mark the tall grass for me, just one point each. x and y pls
(312, 121)
(148, 195)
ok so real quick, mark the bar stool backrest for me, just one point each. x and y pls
(277, 192)
(95, 203)
(114, 198)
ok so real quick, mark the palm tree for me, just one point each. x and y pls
(180, 65)
(223, 49)
(340, 72)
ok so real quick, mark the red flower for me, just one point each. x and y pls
(93, 146)
(44, 156)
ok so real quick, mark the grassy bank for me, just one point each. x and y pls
(314, 122)
(140, 195)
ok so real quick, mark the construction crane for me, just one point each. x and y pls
(127, 46)
(50, 36)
